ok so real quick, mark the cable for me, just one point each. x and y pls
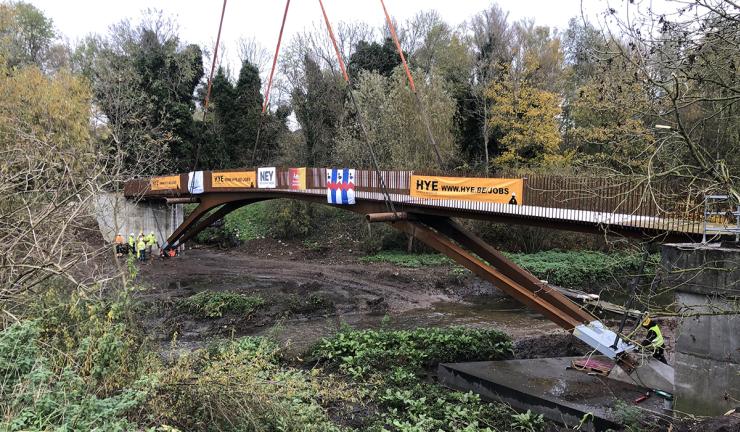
(423, 113)
(208, 92)
(388, 202)
(269, 81)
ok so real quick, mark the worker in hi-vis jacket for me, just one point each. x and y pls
(654, 340)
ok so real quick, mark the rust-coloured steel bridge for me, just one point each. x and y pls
(621, 207)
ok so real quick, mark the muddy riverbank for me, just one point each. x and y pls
(310, 294)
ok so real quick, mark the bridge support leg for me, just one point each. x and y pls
(498, 260)
(444, 244)
(193, 224)
(207, 221)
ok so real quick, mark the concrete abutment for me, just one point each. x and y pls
(116, 214)
(706, 280)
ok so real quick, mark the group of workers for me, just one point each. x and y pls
(141, 246)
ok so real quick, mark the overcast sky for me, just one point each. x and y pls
(198, 20)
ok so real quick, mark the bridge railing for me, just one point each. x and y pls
(664, 205)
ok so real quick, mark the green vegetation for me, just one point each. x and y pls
(570, 269)
(214, 304)
(79, 366)
(83, 365)
(579, 268)
(528, 422)
(249, 222)
(404, 259)
(359, 352)
(392, 365)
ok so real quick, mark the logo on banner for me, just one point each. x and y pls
(165, 183)
(195, 182)
(266, 178)
(497, 190)
(233, 179)
(297, 178)
(340, 186)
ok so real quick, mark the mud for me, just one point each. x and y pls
(351, 292)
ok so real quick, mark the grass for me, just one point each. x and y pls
(249, 222)
(214, 304)
(565, 268)
(403, 259)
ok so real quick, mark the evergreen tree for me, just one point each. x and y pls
(374, 57)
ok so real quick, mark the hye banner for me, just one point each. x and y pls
(165, 183)
(340, 186)
(497, 190)
(233, 179)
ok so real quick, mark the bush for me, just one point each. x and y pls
(239, 385)
(580, 268)
(214, 304)
(358, 353)
(78, 367)
(392, 362)
(249, 222)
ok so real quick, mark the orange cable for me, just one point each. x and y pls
(398, 47)
(215, 56)
(334, 41)
(274, 59)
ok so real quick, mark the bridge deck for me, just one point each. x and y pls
(595, 205)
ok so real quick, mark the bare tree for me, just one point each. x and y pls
(689, 59)
(490, 35)
(250, 50)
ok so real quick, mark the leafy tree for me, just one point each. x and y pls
(319, 106)
(143, 82)
(237, 118)
(394, 124)
(609, 119)
(525, 105)
(49, 174)
(490, 36)
(527, 116)
(374, 57)
(26, 34)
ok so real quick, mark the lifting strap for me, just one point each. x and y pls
(210, 82)
(266, 102)
(422, 111)
(386, 196)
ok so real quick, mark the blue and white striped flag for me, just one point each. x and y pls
(340, 186)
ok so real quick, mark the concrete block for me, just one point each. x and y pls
(116, 214)
(697, 268)
(705, 387)
(715, 337)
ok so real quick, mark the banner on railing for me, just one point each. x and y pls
(164, 183)
(195, 182)
(498, 190)
(340, 186)
(266, 178)
(233, 179)
(297, 178)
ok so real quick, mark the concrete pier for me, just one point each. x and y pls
(547, 386)
(706, 279)
(116, 214)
